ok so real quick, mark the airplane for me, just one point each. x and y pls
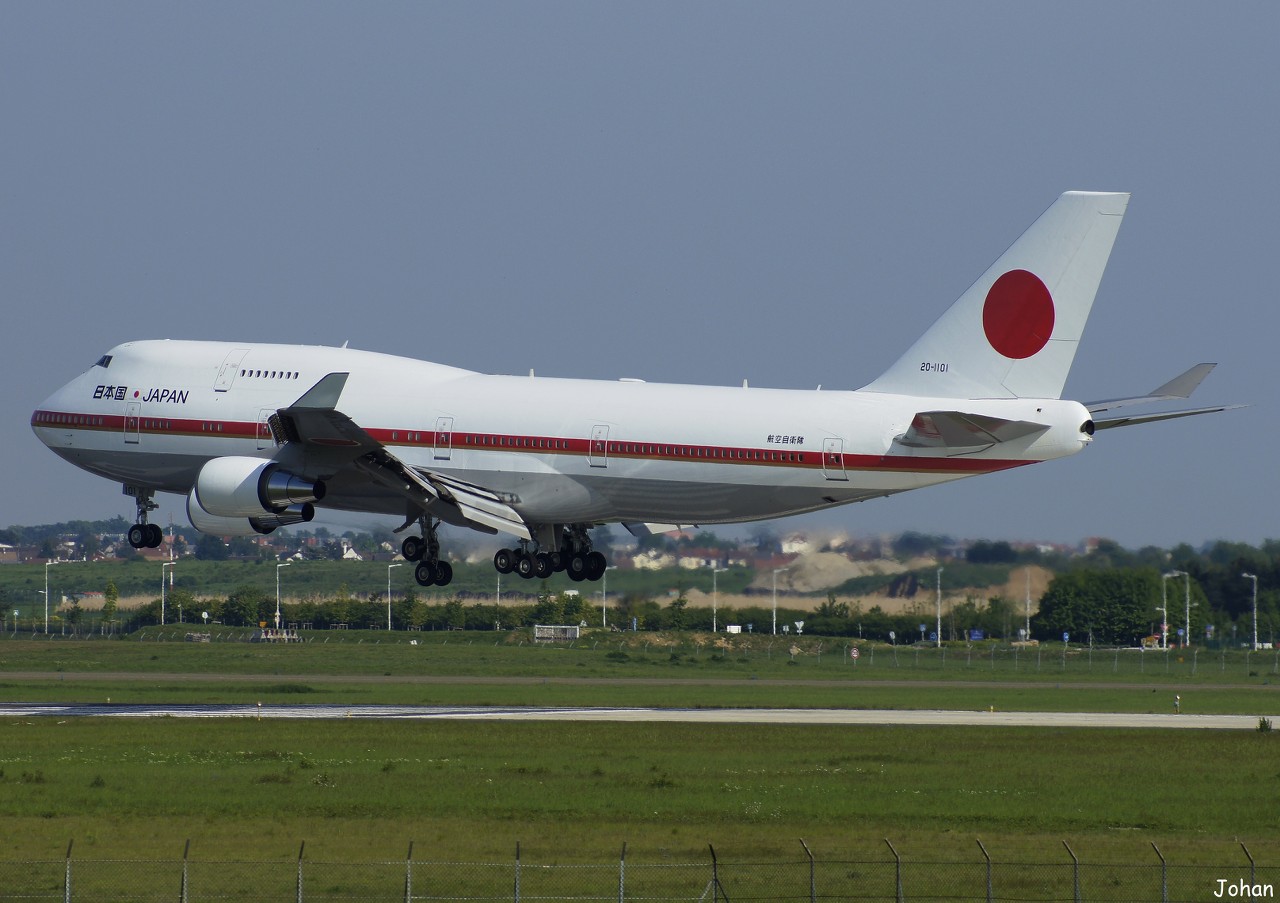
(258, 436)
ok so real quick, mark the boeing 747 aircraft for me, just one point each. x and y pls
(257, 436)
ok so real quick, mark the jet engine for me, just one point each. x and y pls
(217, 525)
(251, 487)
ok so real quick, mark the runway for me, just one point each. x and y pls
(10, 710)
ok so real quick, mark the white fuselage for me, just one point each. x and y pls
(561, 450)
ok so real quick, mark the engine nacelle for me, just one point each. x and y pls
(217, 525)
(251, 487)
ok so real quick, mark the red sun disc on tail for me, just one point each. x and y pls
(1018, 314)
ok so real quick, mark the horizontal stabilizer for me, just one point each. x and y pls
(957, 430)
(1167, 415)
(1179, 387)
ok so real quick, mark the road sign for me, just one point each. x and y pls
(853, 653)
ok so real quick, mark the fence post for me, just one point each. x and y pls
(1253, 877)
(988, 858)
(301, 849)
(1164, 874)
(1075, 874)
(186, 851)
(622, 873)
(813, 887)
(408, 875)
(897, 872)
(66, 880)
(517, 885)
(715, 874)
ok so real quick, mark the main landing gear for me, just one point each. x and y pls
(425, 550)
(575, 558)
(143, 535)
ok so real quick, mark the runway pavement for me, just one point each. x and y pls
(12, 710)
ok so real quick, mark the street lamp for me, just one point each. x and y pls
(389, 567)
(278, 567)
(604, 593)
(939, 633)
(1254, 578)
(47, 565)
(1186, 639)
(776, 572)
(167, 564)
(1164, 608)
(715, 596)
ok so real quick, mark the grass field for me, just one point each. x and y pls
(575, 792)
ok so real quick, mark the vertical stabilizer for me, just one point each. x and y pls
(1014, 333)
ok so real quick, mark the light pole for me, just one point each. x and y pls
(939, 633)
(604, 594)
(1164, 608)
(47, 565)
(278, 567)
(1254, 578)
(389, 567)
(1028, 633)
(1186, 638)
(776, 572)
(167, 564)
(715, 595)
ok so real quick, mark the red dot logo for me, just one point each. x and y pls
(1018, 314)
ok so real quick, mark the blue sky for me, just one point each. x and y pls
(788, 193)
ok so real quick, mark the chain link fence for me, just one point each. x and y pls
(893, 878)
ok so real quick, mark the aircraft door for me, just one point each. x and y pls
(230, 368)
(598, 449)
(265, 438)
(833, 459)
(132, 423)
(444, 438)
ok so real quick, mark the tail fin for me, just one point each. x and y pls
(1014, 333)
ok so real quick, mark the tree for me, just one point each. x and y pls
(1114, 606)
(110, 603)
(243, 606)
(211, 548)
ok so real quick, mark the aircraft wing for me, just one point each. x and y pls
(960, 431)
(315, 423)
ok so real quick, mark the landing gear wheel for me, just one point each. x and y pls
(557, 561)
(525, 566)
(155, 536)
(576, 568)
(444, 573)
(596, 565)
(138, 535)
(425, 573)
(412, 548)
(504, 561)
(542, 567)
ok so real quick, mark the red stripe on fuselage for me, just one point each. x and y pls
(545, 445)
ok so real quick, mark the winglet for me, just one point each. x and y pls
(323, 395)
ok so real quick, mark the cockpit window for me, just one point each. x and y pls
(104, 361)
